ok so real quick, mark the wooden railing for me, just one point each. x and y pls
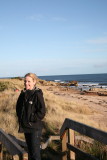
(15, 147)
(11, 146)
(67, 136)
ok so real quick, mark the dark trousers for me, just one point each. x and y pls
(33, 144)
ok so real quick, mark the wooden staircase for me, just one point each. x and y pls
(17, 148)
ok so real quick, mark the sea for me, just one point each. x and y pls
(85, 81)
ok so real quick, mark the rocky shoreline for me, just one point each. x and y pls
(74, 84)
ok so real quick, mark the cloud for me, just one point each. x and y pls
(40, 17)
(59, 19)
(101, 65)
(95, 50)
(98, 41)
(36, 17)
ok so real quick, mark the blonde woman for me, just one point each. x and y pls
(30, 110)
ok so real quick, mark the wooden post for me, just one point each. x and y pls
(64, 146)
(25, 156)
(21, 157)
(71, 140)
(15, 157)
(1, 152)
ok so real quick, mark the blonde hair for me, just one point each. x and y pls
(32, 75)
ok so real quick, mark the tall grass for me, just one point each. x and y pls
(58, 108)
(96, 149)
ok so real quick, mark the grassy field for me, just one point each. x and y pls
(57, 108)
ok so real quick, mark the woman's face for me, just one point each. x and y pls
(29, 83)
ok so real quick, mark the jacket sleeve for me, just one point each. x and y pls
(19, 106)
(41, 110)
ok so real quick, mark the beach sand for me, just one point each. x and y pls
(96, 103)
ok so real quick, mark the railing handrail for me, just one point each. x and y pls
(86, 130)
(11, 143)
(12, 147)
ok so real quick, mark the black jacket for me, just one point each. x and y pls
(30, 109)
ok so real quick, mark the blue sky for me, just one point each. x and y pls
(53, 37)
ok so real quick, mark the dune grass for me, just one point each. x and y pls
(57, 108)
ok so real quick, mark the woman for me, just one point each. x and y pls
(30, 110)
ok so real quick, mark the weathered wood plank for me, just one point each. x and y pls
(21, 157)
(91, 132)
(16, 157)
(64, 146)
(19, 141)
(84, 155)
(1, 152)
(71, 140)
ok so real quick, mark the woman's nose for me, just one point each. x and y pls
(26, 83)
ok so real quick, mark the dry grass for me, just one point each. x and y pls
(58, 109)
(8, 98)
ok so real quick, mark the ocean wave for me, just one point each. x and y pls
(57, 80)
(87, 84)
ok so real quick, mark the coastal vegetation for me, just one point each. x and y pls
(60, 104)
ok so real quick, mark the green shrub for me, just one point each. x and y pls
(19, 78)
(4, 85)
